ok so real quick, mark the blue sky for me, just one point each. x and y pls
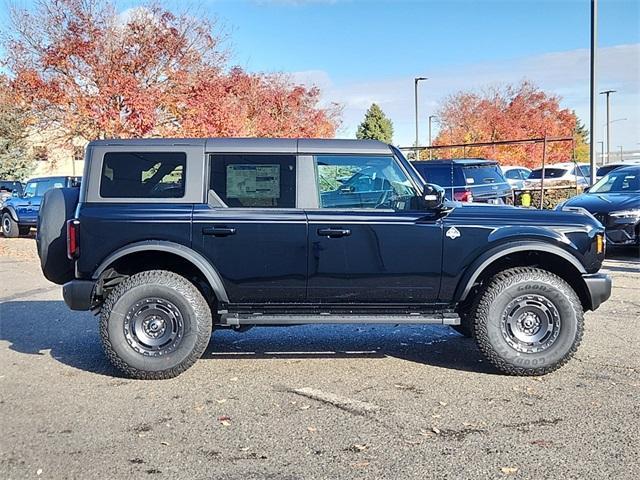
(361, 51)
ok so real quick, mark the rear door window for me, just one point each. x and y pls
(255, 181)
(548, 173)
(143, 175)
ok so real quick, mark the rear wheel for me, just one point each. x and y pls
(10, 227)
(527, 321)
(155, 325)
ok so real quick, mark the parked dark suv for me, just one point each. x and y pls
(468, 179)
(20, 212)
(167, 239)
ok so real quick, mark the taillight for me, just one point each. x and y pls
(465, 196)
(73, 239)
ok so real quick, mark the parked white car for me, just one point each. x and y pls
(560, 173)
(515, 175)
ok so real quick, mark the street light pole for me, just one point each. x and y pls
(601, 152)
(415, 91)
(607, 93)
(620, 147)
(592, 89)
(431, 117)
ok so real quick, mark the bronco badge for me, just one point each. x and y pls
(453, 233)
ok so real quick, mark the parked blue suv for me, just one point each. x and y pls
(20, 212)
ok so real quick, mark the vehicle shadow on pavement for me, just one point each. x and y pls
(38, 327)
(427, 344)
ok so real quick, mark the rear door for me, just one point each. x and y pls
(369, 245)
(251, 229)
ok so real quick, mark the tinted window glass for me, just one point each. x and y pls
(359, 181)
(37, 188)
(443, 175)
(513, 174)
(548, 173)
(602, 171)
(582, 171)
(11, 187)
(255, 181)
(482, 174)
(143, 175)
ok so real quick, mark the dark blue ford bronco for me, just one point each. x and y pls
(167, 239)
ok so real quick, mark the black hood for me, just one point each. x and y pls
(605, 202)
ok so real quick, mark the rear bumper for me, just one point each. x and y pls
(78, 294)
(599, 288)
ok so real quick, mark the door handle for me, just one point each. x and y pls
(218, 231)
(334, 232)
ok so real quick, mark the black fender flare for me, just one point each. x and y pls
(196, 259)
(474, 271)
(12, 212)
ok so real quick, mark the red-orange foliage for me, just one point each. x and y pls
(506, 113)
(84, 69)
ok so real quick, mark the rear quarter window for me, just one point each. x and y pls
(143, 175)
(483, 174)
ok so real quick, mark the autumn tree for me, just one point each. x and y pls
(511, 112)
(91, 72)
(376, 125)
(16, 163)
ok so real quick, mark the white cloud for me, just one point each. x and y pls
(562, 73)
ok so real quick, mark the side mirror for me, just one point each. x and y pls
(433, 196)
(14, 194)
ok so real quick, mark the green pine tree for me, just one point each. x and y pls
(375, 126)
(581, 136)
(15, 161)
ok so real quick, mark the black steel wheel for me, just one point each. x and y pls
(155, 325)
(9, 226)
(527, 321)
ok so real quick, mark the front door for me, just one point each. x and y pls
(251, 230)
(367, 243)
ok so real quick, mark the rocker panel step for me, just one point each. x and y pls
(231, 319)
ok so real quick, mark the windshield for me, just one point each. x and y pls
(37, 188)
(618, 181)
(483, 174)
(13, 187)
(548, 173)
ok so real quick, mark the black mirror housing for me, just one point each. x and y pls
(433, 196)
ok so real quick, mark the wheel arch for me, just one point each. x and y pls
(529, 253)
(11, 211)
(187, 256)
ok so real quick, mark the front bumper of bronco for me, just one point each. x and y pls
(78, 294)
(598, 287)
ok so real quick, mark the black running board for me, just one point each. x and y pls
(234, 319)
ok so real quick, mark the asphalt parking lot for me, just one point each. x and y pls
(398, 402)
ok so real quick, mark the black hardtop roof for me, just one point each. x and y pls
(258, 145)
(457, 161)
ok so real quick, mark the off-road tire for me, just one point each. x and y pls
(10, 228)
(190, 303)
(489, 307)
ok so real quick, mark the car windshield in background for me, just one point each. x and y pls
(13, 187)
(625, 181)
(548, 173)
(483, 174)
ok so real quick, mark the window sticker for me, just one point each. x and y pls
(255, 181)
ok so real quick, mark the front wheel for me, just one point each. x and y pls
(10, 227)
(527, 321)
(155, 325)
